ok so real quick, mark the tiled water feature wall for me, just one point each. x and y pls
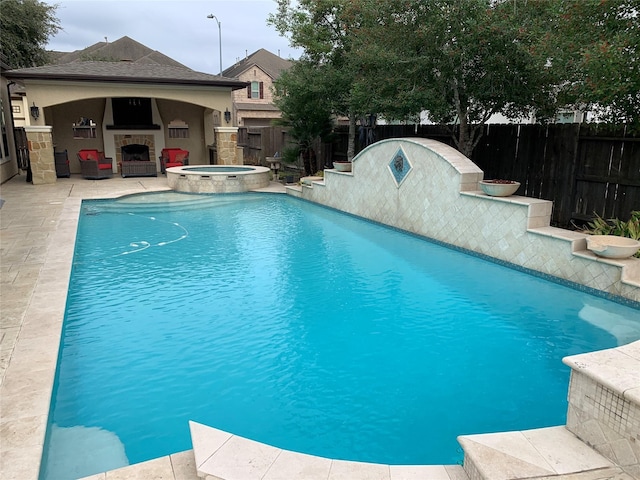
(428, 188)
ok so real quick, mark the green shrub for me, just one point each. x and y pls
(613, 226)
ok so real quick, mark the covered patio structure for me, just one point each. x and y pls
(108, 105)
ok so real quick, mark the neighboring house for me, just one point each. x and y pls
(127, 93)
(254, 105)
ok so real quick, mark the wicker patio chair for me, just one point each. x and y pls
(173, 157)
(94, 165)
(62, 164)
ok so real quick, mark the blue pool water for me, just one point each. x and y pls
(304, 328)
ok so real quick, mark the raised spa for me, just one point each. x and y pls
(217, 178)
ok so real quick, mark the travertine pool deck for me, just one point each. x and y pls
(37, 234)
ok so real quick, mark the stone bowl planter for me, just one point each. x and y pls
(612, 246)
(342, 166)
(499, 188)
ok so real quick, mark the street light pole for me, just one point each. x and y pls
(211, 15)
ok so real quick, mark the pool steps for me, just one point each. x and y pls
(182, 466)
(222, 455)
(551, 452)
(543, 452)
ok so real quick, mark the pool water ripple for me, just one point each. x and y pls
(310, 330)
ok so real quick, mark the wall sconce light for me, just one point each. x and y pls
(227, 115)
(35, 111)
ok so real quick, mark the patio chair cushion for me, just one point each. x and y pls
(166, 153)
(89, 154)
(177, 155)
(104, 166)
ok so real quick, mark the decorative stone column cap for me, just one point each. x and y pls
(226, 129)
(38, 128)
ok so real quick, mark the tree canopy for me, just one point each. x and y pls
(463, 61)
(25, 29)
(322, 28)
(598, 51)
(302, 96)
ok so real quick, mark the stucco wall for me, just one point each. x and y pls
(61, 117)
(8, 161)
(192, 115)
(439, 198)
(8, 170)
(46, 94)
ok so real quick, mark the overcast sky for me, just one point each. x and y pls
(178, 28)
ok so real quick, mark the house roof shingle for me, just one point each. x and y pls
(272, 64)
(123, 49)
(123, 60)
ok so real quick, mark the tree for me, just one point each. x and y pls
(25, 29)
(598, 50)
(461, 61)
(322, 28)
(302, 95)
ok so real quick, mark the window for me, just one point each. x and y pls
(255, 90)
(16, 108)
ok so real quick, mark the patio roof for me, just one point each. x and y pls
(127, 72)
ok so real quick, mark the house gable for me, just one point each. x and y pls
(270, 64)
(254, 105)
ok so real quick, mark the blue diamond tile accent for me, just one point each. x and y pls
(399, 166)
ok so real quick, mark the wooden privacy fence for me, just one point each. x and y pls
(585, 169)
(260, 142)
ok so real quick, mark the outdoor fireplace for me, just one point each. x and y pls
(134, 152)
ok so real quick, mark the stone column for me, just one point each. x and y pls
(227, 142)
(43, 167)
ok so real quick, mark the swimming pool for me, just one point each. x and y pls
(301, 327)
